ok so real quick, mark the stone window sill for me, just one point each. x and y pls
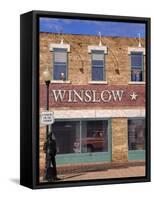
(60, 81)
(97, 82)
(137, 83)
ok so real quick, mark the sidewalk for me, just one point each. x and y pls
(99, 171)
(110, 173)
(96, 166)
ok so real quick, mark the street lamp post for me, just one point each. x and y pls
(46, 77)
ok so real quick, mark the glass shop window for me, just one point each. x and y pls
(137, 66)
(66, 134)
(98, 67)
(81, 136)
(94, 136)
(60, 64)
(136, 134)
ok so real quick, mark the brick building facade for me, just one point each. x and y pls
(87, 99)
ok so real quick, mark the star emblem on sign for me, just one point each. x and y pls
(133, 96)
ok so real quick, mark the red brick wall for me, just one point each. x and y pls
(126, 99)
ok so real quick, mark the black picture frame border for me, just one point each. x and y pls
(29, 96)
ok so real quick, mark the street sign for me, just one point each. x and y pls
(47, 118)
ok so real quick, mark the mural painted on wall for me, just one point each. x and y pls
(92, 99)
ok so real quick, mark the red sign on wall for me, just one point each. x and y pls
(66, 95)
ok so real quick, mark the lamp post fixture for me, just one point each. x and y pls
(46, 77)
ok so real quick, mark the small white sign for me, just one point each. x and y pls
(47, 118)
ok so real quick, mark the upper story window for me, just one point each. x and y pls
(98, 66)
(60, 61)
(137, 66)
(59, 64)
(98, 74)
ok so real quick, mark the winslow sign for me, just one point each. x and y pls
(73, 96)
(65, 95)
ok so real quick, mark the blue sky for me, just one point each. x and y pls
(76, 26)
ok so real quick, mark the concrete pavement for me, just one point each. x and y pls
(130, 171)
(110, 173)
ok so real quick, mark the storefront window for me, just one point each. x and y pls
(66, 133)
(94, 136)
(81, 136)
(136, 134)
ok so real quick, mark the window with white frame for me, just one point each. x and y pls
(98, 65)
(59, 64)
(137, 66)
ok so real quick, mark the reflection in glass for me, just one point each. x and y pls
(81, 136)
(66, 133)
(136, 134)
(94, 136)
